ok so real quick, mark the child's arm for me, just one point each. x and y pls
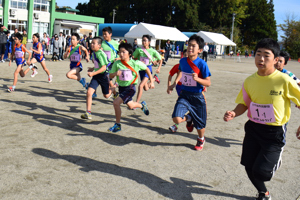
(298, 133)
(29, 55)
(178, 77)
(87, 57)
(230, 114)
(92, 73)
(151, 84)
(117, 73)
(40, 48)
(158, 69)
(169, 88)
(67, 53)
(203, 81)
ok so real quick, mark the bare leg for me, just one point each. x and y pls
(142, 86)
(45, 68)
(74, 74)
(89, 100)
(117, 106)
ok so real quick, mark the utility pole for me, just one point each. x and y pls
(114, 13)
(231, 35)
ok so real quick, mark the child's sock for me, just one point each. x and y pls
(13, 87)
(188, 118)
(88, 111)
(176, 125)
(31, 66)
(201, 138)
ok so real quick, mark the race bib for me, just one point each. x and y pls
(187, 80)
(263, 113)
(96, 64)
(75, 57)
(108, 54)
(19, 54)
(145, 60)
(126, 75)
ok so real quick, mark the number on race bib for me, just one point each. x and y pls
(108, 54)
(263, 113)
(19, 54)
(187, 80)
(126, 75)
(75, 57)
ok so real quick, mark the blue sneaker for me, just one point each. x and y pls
(87, 85)
(145, 108)
(83, 82)
(115, 128)
(94, 95)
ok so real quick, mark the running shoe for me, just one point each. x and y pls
(115, 128)
(86, 115)
(156, 78)
(50, 78)
(10, 89)
(87, 85)
(35, 72)
(94, 95)
(263, 196)
(116, 95)
(145, 108)
(189, 125)
(200, 144)
(34, 66)
(173, 128)
(83, 82)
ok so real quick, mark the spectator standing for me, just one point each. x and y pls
(135, 46)
(167, 48)
(12, 38)
(89, 42)
(60, 46)
(3, 41)
(25, 37)
(205, 52)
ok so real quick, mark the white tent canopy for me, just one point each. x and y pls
(215, 38)
(157, 32)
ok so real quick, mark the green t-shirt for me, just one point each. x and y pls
(100, 61)
(140, 55)
(108, 51)
(135, 64)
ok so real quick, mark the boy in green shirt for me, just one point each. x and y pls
(99, 76)
(126, 70)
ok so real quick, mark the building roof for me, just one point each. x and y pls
(67, 9)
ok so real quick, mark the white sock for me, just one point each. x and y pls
(201, 138)
(30, 67)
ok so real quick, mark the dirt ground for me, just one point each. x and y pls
(48, 152)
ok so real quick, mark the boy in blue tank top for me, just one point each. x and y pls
(38, 56)
(19, 51)
(74, 53)
(194, 74)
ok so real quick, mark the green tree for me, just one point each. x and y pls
(291, 37)
(260, 22)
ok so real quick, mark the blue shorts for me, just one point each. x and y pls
(21, 62)
(39, 59)
(178, 89)
(194, 103)
(126, 93)
(102, 80)
(80, 66)
(144, 74)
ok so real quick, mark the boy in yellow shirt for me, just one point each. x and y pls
(266, 95)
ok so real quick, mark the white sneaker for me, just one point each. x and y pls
(2, 61)
(35, 72)
(173, 128)
(50, 78)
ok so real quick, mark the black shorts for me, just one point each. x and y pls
(102, 80)
(2, 48)
(262, 149)
(126, 93)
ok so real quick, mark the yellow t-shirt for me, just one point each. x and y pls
(277, 89)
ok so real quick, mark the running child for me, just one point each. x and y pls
(38, 56)
(282, 62)
(195, 76)
(99, 76)
(146, 54)
(266, 95)
(110, 47)
(126, 70)
(74, 53)
(19, 52)
(172, 72)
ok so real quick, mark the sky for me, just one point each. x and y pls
(282, 9)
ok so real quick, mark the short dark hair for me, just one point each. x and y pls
(90, 33)
(286, 56)
(19, 36)
(107, 29)
(268, 43)
(99, 39)
(199, 40)
(76, 35)
(147, 36)
(37, 35)
(126, 46)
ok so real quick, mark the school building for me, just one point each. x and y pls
(39, 16)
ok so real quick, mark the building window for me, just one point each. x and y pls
(40, 28)
(0, 2)
(20, 4)
(41, 5)
(20, 25)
